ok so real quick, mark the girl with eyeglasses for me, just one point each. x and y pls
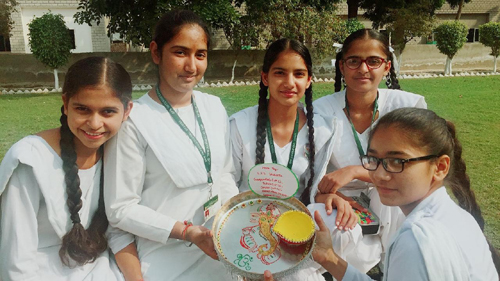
(365, 59)
(413, 154)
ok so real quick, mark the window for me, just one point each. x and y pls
(72, 35)
(4, 44)
(473, 35)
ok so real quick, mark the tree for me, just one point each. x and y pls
(489, 35)
(409, 22)
(457, 3)
(382, 12)
(450, 37)
(405, 19)
(50, 42)
(309, 21)
(7, 7)
(135, 20)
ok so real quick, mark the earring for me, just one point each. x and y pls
(343, 81)
(388, 81)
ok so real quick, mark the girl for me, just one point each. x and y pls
(364, 60)
(286, 74)
(52, 210)
(412, 154)
(170, 167)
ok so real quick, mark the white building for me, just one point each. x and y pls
(87, 38)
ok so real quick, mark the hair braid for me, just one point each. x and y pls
(80, 245)
(312, 148)
(459, 181)
(261, 125)
(338, 74)
(394, 76)
(460, 186)
(75, 241)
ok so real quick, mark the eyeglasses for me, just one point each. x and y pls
(371, 62)
(391, 165)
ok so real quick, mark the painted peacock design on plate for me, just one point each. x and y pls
(259, 238)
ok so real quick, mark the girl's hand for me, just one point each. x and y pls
(268, 276)
(346, 218)
(323, 250)
(331, 182)
(202, 237)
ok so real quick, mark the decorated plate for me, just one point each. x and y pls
(245, 242)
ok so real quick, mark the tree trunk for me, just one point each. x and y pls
(447, 68)
(352, 9)
(56, 79)
(495, 64)
(398, 57)
(459, 13)
(232, 73)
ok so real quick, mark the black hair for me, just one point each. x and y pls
(84, 246)
(272, 54)
(427, 130)
(392, 80)
(171, 23)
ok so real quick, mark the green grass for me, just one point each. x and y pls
(472, 103)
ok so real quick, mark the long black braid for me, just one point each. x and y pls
(312, 147)
(261, 125)
(76, 244)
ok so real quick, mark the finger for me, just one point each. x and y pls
(340, 216)
(268, 276)
(328, 205)
(319, 221)
(353, 220)
(345, 218)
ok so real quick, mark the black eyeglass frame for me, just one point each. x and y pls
(364, 61)
(403, 161)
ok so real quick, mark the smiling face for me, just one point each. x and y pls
(364, 79)
(182, 61)
(287, 79)
(418, 179)
(95, 115)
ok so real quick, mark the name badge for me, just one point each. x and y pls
(210, 207)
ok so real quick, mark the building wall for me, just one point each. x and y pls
(87, 38)
(24, 71)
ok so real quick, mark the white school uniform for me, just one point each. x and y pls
(34, 215)
(243, 138)
(344, 152)
(155, 176)
(438, 241)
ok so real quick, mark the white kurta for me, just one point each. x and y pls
(243, 137)
(34, 215)
(155, 176)
(345, 153)
(437, 241)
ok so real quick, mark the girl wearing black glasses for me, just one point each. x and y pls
(364, 60)
(413, 153)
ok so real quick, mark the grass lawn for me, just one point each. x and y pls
(472, 103)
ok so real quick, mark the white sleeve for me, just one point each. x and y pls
(352, 274)
(237, 146)
(228, 186)
(18, 226)
(118, 239)
(125, 168)
(421, 103)
(406, 261)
